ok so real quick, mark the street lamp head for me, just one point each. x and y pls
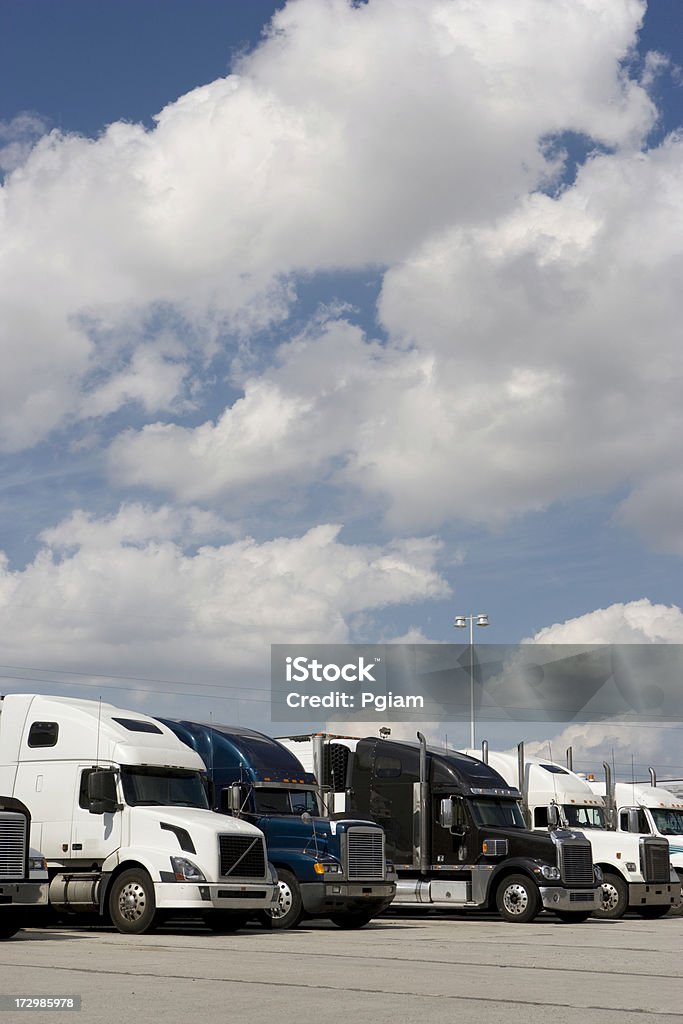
(460, 622)
(482, 620)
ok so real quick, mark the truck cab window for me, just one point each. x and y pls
(43, 734)
(164, 787)
(540, 817)
(504, 813)
(285, 801)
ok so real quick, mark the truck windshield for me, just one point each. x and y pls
(285, 801)
(167, 787)
(668, 822)
(504, 813)
(584, 817)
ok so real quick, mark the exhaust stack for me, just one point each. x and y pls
(610, 798)
(424, 858)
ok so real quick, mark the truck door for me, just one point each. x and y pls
(452, 843)
(93, 836)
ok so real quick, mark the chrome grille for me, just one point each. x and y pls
(654, 860)
(576, 863)
(365, 852)
(242, 856)
(12, 845)
(581, 897)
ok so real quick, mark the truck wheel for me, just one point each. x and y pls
(8, 929)
(225, 921)
(677, 909)
(351, 920)
(613, 898)
(653, 912)
(572, 917)
(289, 908)
(131, 902)
(518, 899)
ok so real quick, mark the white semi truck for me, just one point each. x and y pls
(658, 812)
(119, 809)
(23, 875)
(637, 874)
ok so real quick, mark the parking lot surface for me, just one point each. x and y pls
(399, 969)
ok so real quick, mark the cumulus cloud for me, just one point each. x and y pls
(143, 593)
(637, 622)
(531, 360)
(320, 152)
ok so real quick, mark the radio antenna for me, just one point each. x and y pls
(99, 720)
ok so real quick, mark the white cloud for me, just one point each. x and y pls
(322, 152)
(530, 361)
(17, 138)
(638, 622)
(134, 594)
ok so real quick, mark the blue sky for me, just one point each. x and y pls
(382, 329)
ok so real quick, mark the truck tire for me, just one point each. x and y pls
(131, 902)
(677, 909)
(651, 913)
(225, 921)
(613, 899)
(572, 916)
(8, 929)
(351, 920)
(289, 910)
(518, 899)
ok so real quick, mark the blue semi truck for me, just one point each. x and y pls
(326, 867)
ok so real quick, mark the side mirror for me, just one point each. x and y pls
(234, 793)
(102, 798)
(446, 813)
(553, 816)
(633, 820)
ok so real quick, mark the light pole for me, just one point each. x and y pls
(460, 622)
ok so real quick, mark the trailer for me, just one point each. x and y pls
(637, 875)
(335, 869)
(454, 828)
(118, 806)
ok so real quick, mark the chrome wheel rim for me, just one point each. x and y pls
(132, 901)
(515, 899)
(285, 901)
(609, 899)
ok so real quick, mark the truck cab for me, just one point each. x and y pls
(326, 868)
(118, 807)
(651, 811)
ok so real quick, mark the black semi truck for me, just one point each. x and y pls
(454, 828)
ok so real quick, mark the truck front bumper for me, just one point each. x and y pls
(240, 896)
(23, 894)
(320, 898)
(556, 897)
(650, 894)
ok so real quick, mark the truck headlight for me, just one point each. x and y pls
(550, 872)
(185, 871)
(327, 868)
(597, 871)
(37, 864)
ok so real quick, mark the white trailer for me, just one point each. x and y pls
(637, 874)
(119, 809)
(658, 812)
